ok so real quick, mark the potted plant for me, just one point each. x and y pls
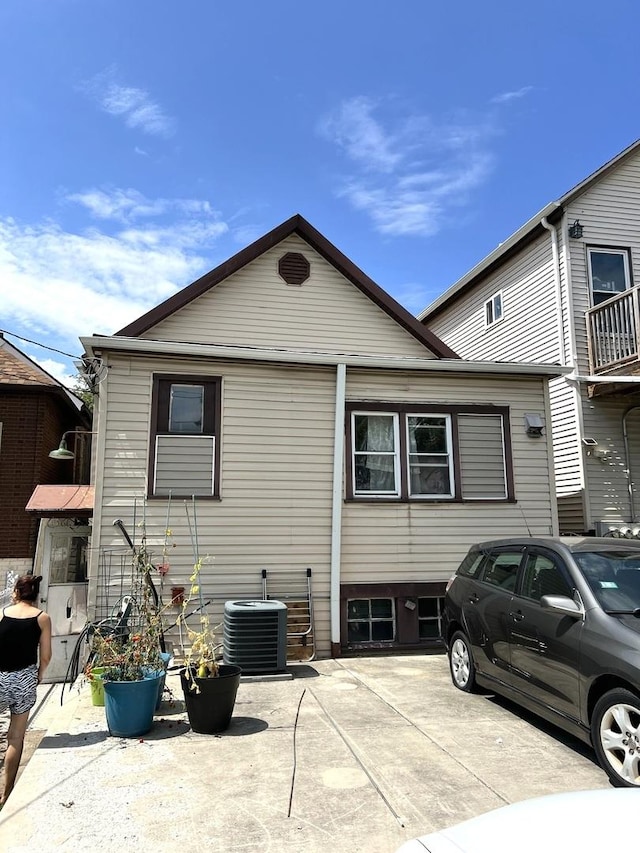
(209, 686)
(130, 657)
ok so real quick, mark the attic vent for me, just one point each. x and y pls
(294, 268)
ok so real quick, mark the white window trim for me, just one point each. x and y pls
(367, 493)
(605, 250)
(449, 435)
(491, 303)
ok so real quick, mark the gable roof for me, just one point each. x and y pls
(526, 234)
(295, 225)
(19, 372)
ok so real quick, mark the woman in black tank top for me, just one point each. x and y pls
(25, 652)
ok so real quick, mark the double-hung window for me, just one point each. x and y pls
(429, 456)
(609, 272)
(184, 450)
(493, 309)
(420, 452)
(375, 455)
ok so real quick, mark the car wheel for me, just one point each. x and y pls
(615, 734)
(463, 671)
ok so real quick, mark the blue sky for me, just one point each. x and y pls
(144, 143)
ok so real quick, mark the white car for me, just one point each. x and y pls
(584, 821)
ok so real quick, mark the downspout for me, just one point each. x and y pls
(98, 453)
(568, 335)
(336, 509)
(558, 288)
(578, 392)
(627, 463)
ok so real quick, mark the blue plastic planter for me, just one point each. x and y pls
(130, 705)
(166, 657)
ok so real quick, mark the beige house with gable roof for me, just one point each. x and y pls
(318, 425)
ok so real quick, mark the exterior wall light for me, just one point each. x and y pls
(533, 425)
(62, 451)
(576, 230)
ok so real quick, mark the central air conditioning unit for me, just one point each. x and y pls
(255, 636)
(617, 530)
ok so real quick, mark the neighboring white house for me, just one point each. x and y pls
(562, 290)
(319, 424)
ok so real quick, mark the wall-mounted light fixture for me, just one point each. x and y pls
(533, 424)
(576, 230)
(62, 451)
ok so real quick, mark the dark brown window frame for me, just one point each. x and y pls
(160, 422)
(407, 624)
(403, 410)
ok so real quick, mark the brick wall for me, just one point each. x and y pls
(32, 424)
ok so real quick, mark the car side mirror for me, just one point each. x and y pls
(562, 604)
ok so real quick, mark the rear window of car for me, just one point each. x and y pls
(471, 565)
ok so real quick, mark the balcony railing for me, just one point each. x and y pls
(612, 332)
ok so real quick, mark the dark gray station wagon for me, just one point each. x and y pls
(554, 625)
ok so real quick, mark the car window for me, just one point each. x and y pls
(471, 565)
(614, 578)
(500, 569)
(543, 577)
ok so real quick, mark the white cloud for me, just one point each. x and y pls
(135, 106)
(505, 97)
(411, 172)
(58, 285)
(58, 369)
(125, 205)
(354, 128)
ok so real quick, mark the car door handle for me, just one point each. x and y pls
(473, 599)
(517, 617)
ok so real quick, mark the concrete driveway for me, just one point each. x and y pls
(357, 754)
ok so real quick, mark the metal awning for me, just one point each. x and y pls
(65, 501)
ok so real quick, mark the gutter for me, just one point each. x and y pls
(602, 380)
(97, 344)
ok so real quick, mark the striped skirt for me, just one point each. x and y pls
(18, 689)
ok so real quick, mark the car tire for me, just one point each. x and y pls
(461, 665)
(615, 734)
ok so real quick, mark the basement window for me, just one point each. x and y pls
(370, 620)
(430, 618)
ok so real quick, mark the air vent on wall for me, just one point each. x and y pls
(294, 268)
(255, 635)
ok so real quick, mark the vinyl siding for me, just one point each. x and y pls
(414, 541)
(255, 307)
(606, 480)
(277, 441)
(568, 456)
(276, 480)
(609, 214)
(528, 330)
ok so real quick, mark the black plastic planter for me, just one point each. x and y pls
(210, 707)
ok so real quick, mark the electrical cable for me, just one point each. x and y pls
(295, 758)
(38, 344)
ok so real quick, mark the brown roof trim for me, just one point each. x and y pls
(295, 225)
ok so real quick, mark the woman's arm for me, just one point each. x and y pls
(44, 647)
